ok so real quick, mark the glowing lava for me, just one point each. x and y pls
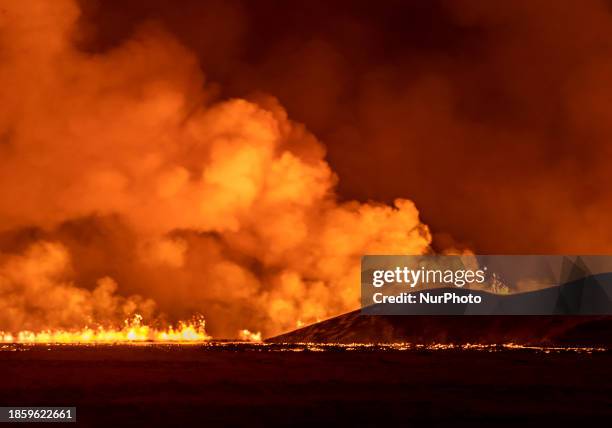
(133, 331)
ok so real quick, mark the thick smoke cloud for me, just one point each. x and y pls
(36, 293)
(203, 195)
(127, 185)
(493, 117)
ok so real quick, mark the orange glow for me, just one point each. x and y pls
(249, 336)
(147, 196)
(133, 331)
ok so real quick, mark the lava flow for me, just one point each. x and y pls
(133, 331)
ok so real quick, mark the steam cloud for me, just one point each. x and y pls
(494, 118)
(125, 188)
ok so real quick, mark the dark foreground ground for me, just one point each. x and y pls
(273, 385)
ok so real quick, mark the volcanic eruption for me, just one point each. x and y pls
(128, 189)
(154, 173)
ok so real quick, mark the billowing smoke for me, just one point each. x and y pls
(124, 188)
(493, 117)
(36, 294)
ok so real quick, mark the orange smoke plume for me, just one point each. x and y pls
(124, 189)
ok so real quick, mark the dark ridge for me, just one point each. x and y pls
(589, 297)
(532, 329)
